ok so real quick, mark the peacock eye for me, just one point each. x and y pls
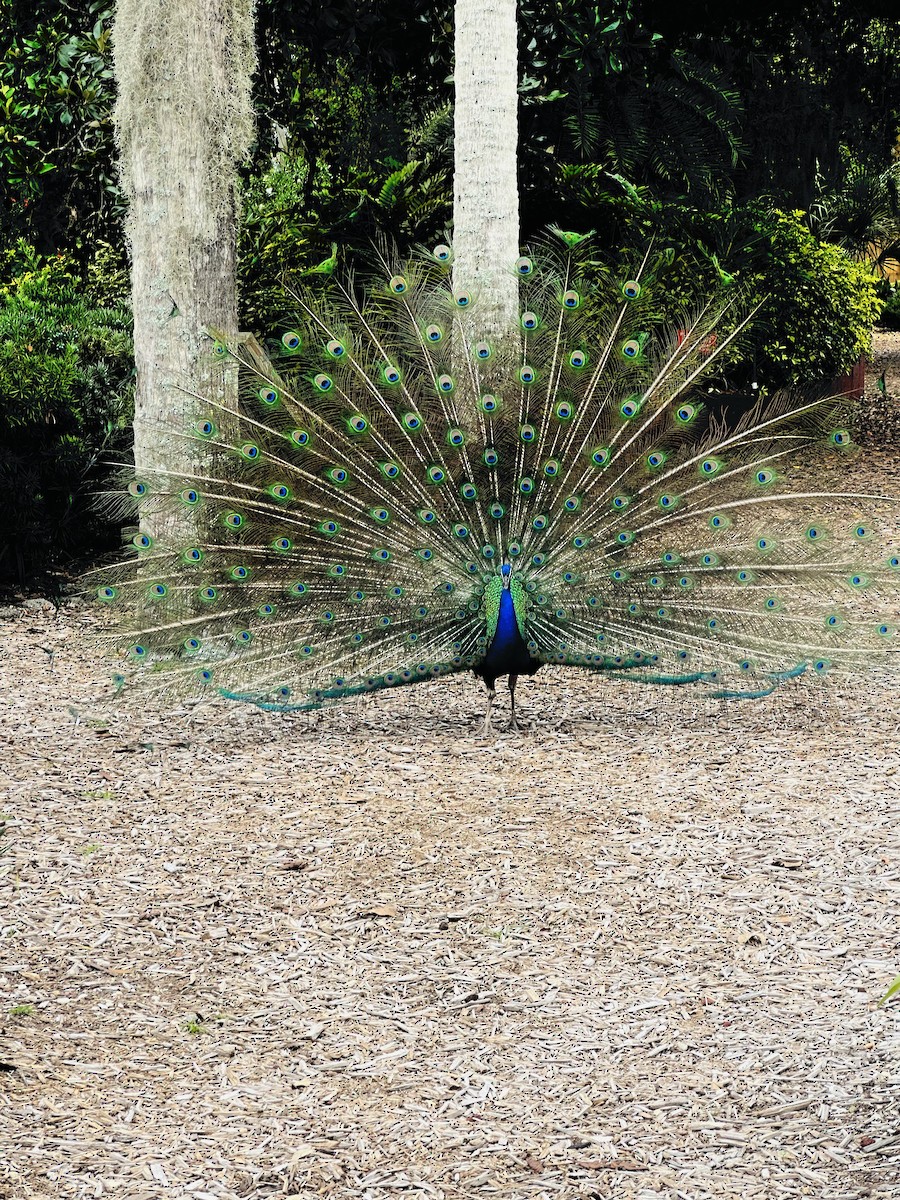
(529, 321)
(462, 300)
(524, 266)
(631, 289)
(434, 333)
(336, 348)
(483, 350)
(441, 253)
(290, 340)
(398, 285)
(631, 407)
(571, 299)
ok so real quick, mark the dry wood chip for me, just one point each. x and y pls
(634, 952)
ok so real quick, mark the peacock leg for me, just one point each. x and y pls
(513, 680)
(487, 727)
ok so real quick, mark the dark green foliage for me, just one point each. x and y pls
(863, 214)
(281, 240)
(65, 405)
(348, 179)
(890, 314)
(816, 306)
(57, 176)
(601, 86)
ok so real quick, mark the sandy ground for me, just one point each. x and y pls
(635, 951)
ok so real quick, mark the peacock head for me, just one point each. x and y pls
(506, 572)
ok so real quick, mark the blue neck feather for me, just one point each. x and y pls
(507, 635)
(507, 653)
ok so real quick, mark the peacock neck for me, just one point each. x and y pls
(507, 653)
(507, 625)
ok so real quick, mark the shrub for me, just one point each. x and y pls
(818, 306)
(815, 307)
(292, 223)
(890, 314)
(66, 371)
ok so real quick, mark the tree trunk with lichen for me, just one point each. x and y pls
(183, 122)
(485, 187)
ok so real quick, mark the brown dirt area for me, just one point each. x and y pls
(635, 951)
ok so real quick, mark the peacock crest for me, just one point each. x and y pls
(400, 498)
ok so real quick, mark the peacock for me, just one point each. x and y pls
(399, 498)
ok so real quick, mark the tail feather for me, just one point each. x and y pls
(386, 462)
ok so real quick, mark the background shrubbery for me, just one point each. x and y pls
(66, 374)
(637, 122)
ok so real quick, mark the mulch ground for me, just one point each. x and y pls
(634, 951)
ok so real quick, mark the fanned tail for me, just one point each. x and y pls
(349, 520)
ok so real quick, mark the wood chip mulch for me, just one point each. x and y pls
(635, 951)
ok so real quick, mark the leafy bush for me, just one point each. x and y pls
(66, 369)
(890, 314)
(57, 179)
(815, 306)
(818, 306)
(293, 223)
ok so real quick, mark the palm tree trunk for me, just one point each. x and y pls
(183, 121)
(485, 187)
